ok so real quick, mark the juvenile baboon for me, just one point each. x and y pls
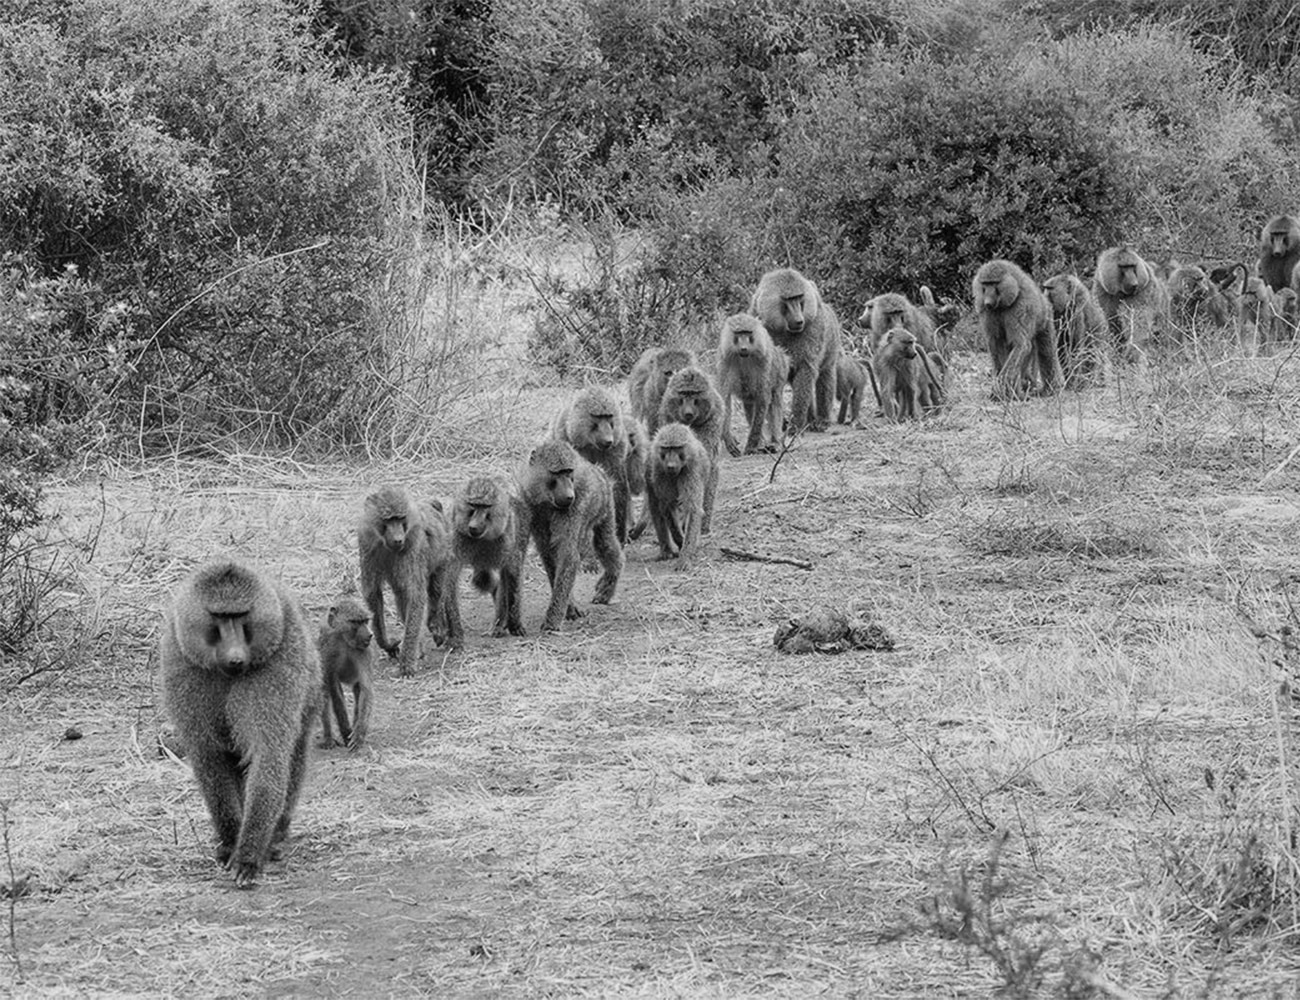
(885, 312)
(850, 386)
(1286, 313)
(1017, 321)
(649, 379)
(752, 367)
(905, 378)
(490, 536)
(798, 320)
(675, 485)
(593, 424)
(1194, 298)
(346, 659)
(1133, 299)
(1254, 314)
(409, 549)
(241, 682)
(1080, 328)
(1279, 250)
(568, 502)
(691, 400)
(638, 449)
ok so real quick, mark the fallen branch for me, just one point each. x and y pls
(759, 557)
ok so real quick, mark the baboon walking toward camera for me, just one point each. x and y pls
(675, 489)
(570, 502)
(800, 321)
(649, 379)
(1017, 321)
(489, 535)
(593, 424)
(1133, 299)
(905, 378)
(850, 386)
(241, 683)
(1080, 328)
(346, 660)
(691, 400)
(751, 367)
(1279, 251)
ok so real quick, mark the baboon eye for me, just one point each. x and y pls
(214, 635)
(248, 633)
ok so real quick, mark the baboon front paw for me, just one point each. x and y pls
(573, 612)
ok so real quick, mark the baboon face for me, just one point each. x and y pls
(1255, 292)
(688, 399)
(390, 513)
(742, 342)
(1288, 303)
(889, 310)
(351, 620)
(1280, 235)
(692, 407)
(998, 291)
(1130, 277)
(559, 488)
(481, 514)
(672, 458)
(865, 318)
(1191, 283)
(232, 623)
(600, 429)
(792, 312)
(1058, 293)
(900, 341)
(230, 638)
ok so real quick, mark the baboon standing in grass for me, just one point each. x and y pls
(346, 659)
(801, 322)
(649, 379)
(904, 376)
(751, 367)
(1133, 299)
(691, 400)
(1080, 328)
(675, 485)
(241, 682)
(1279, 251)
(1017, 321)
(489, 535)
(593, 424)
(850, 386)
(569, 501)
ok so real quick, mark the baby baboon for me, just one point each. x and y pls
(691, 400)
(1017, 321)
(885, 312)
(1133, 299)
(904, 376)
(850, 385)
(752, 367)
(568, 502)
(489, 535)
(1254, 314)
(1080, 328)
(798, 320)
(241, 683)
(1279, 250)
(410, 550)
(649, 379)
(593, 424)
(346, 659)
(675, 489)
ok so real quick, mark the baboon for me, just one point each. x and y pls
(675, 484)
(593, 424)
(1194, 297)
(241, 682)
(490, 536)
(691, 400)
(410, 550)
(638, 448)
(1279, 250)
(1017, 321)
(850, 385)
(1254, 314)
(1286, 313)
(905, 378)
(346, 659)
(944, 316)
(801, 322)
(1080, 328)
(649, 379)
(885, 312)
(752, 367)
(569, 501)
(1133, 299)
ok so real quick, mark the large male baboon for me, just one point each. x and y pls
(798, 320)
(593, 424)
(691, 400)
(1133, 299)
(489, 535)
(241, 682)
(752, 367)
(1017, 321)
(905, 376)
(1279, 251)
(569, 503)
(346, 660)
(1080, 328)
(649, 379)
(850, 387)
(675, 484)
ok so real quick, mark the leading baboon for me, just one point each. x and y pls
(1080, 328)
(241, 683)
(691, 400)
(885, 312)
(409, 549)
(593, 424)
(649, 379)
(1279, 250)
(1133, 299)
(801, 322)
(1254, 314)
(675, 483)
(1017, 321)
(850, 385)
(568, 502)
(752, 367)
(346, 659)
(905, 377)
(489, 535)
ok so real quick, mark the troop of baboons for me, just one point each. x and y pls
(244, 684)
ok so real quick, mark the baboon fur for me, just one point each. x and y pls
(801, 322)
(1254, 314)
(904, 376)
(593, 424)
(885, 312)
(1017, 322)
(408, 548)
(1194, 298)
(346, 658)
(649, 379)
(1133, 299)
(490, 536)
(1080, 328)
(754, 369)
(944, 316)
(1279, 251)
(850, 386)
(570, 502)
(691, 400)
(675, 485)
(241, 683)
(1286, 313)
(638, 454)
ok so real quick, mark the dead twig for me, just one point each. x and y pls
(759, 557)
